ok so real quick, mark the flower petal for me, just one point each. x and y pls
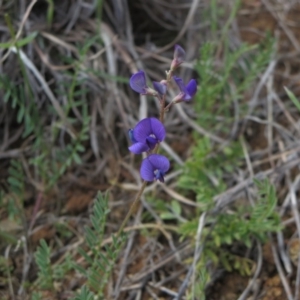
(147, 170)
(186, 97)
(159, 175)
(179, 54)
(138, 148)
(158, 129)
(142, 130)
(160, 87)
(138, 82)
(131, 136)
(192, 87)
(151, 142)
(159, 162)
(147, 127)
(180, 84)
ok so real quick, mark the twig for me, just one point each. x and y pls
(37, 205)
(172, 153)
(263, 80)
(196, 127)
(280, 271)
(132, 207)
(297, 219)
(9, 279)
(270, 113)
(180, 198)
(282, 251)
(247, 157)
(26, 265)
(197, 254)
(160, 264)
(245, 293)
(25, 17)
(297, 279)
(282, 24)
(125, 258)
(198, 248)
(46, 88)
(188, 20)
(227, 197)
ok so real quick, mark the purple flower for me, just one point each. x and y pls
(138, 84)
(154, 167)
(179, 56)
(146, 134)
(186, 91)
(160, 87)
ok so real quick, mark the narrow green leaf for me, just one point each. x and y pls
(80, 269)
(85, 255)
(76, 158)
(293, 98)
(167, 216)
(176, 207)
(19, 43)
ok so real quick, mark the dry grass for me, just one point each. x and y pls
(126, 36)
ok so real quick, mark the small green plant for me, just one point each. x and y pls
(15, 198)
(173, 211)
(222, 86)
(100, 260)
(222, 90)
(36, 296)
(85, 294)
(239, 226)
(42, 258)
(204, 170)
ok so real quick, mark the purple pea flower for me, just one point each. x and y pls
(154, 167)
(160, 87)
(186, 91)
(146, 134)
(179, 56)
(138, 84)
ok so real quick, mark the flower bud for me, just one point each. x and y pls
(179, 56)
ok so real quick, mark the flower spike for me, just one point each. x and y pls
(146, 135)
(154, 167)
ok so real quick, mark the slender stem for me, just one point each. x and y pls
(168, 106)
(132, 207)
(162, 108)
(169, 75)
